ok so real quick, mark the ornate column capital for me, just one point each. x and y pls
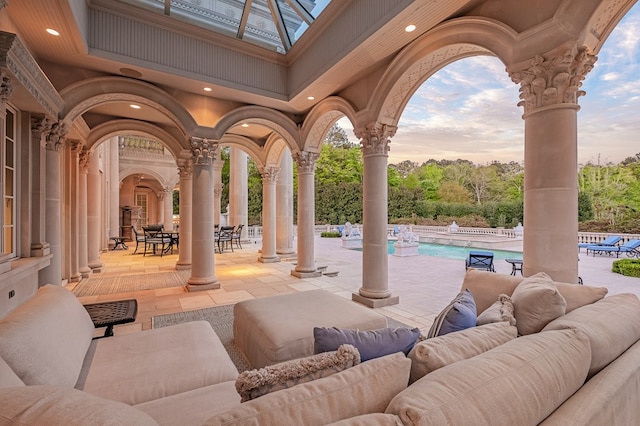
(375, 138)
(55, 133)
(204, 150)
(306, 161)
(76, 146)
(270, 174)
(83, 160)
(554, 79)
(185, 167)
(6, 86)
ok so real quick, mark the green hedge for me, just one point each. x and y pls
(330, 234)
(627, 267)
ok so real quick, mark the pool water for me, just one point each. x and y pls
(456, 252)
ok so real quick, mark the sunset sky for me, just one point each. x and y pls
(469, 109)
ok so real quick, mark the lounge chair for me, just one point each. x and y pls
(480, 260)
(223, 238)
(631, 248)
(611, 240)
(236, 234)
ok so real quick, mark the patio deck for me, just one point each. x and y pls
(425, 287)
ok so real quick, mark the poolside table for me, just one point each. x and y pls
(516, 265)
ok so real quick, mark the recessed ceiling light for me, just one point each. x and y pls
(134, 106)
(245, 125)
(410, 28)
(207, 89)
(311, 98)
(53, 32)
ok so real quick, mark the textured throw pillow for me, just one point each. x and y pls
(458, 315)
(370, 343)
(254, 383)
(432, 354)
(537, 302)
(501, 310)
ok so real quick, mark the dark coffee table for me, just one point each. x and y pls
(108, 314)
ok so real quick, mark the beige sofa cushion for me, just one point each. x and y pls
(193, 407)
(7, 377)
(518, 383)
(432, 354)
(373, 419)
(536, 302)
(45, 339)
(52, 405)
(139, 367)
(612, 325)
(365, 388)
(487, 286)
(608, 398)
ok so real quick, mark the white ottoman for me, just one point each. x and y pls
(280, 328)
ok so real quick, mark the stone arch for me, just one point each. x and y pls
(321, 118)
(605, 19)
(454, 40)
(141, 170)
(84, 95)
(271, 119)
(256, 153)
(275, 148)
(128, 127)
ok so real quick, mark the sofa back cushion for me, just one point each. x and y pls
(7, 377)
(51, 405)
(612, 325)
(518, 383)
(45, 339)
(580, 295)
(362, 389)
(536, 302)
(487, 286)
(432, 354)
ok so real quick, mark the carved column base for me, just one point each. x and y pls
(270, 259)
(180, 266)
(85, 272)
(375, 303)
(201, 284)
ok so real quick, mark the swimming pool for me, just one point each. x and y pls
(456, 252)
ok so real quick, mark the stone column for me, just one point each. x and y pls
(55, 137)
(375, 268)
(269, 179)
(83, 250)
(167, 198)
(284, 207)
(73, 220)
(549, 89)
(93, 213)
(203, 271)
(113, 182)
(185, 170)
(238, 195)
(306, 265)
(39, 246)
(217, 190)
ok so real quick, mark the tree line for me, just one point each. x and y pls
(437, 192)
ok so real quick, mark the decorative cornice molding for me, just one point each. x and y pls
(17, 59)
(306, 161)
(375, 138)
(204, 150)
(554, 80)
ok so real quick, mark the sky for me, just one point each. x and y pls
(469, 109)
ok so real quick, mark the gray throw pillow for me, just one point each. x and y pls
(370, 343)
(457, 315)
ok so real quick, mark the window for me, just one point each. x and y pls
(8, 154)
(141, 201)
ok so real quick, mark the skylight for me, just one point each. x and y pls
(273, 24)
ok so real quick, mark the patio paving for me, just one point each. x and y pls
(424, 284)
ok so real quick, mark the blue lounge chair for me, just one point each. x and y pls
(480, 260)
(611, 240)
(631, 248)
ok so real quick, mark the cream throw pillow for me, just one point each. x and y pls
(254, 383)
(501, 310)
(432, 354)
(536, 302)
